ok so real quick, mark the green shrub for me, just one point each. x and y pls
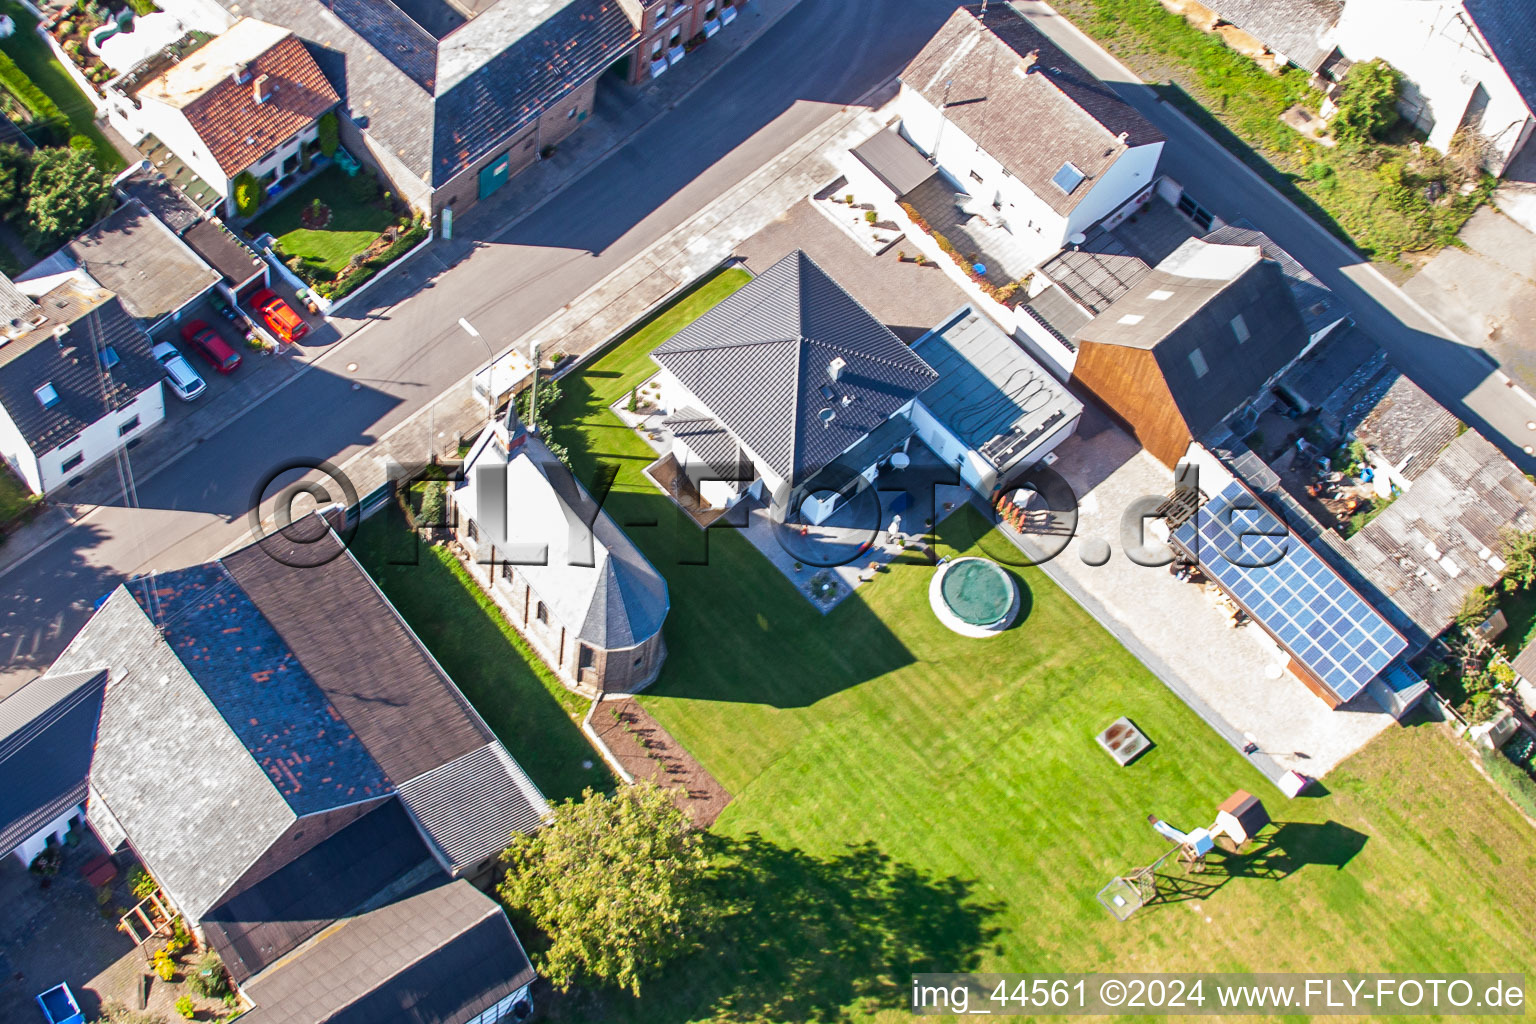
(1479, 603)
(1368, 105)
(405, 243)
(185, 1008)
(1514, 780)
(207, 977)
(140, 883)
(328, 133)
(81, 144)
(434, 505)
(247, 194)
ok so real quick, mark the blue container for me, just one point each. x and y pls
(60, 1007)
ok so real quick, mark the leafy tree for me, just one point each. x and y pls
(67, 192)
(615, 881)
(1368, 105)
(328, 133)
(549, 394)
(1479, 603)
(247, 194)
(1520, 558)
(15, 172)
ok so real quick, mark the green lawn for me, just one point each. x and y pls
(33, 56)
(1239, 104)
(15, 498)
(353, 226)
(909, 799)
(521, 700)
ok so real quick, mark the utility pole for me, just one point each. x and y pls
(533, 390)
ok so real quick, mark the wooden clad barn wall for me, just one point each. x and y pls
(1129, 382)
(1316, 685)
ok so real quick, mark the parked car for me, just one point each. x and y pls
(183, 379)
(279, 316)
(214, 348)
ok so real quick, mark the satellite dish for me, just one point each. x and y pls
(1077, 238)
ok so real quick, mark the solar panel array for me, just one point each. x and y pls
(1290, 591)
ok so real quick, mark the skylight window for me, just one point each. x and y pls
(109, 357)
(1161, 295)
(1240, 328)
(1132, 319)
(1197, 361)
(48, 395)
(1068, 178)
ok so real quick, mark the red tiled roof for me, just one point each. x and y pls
(237, 130)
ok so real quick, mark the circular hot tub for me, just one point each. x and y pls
(974, 597)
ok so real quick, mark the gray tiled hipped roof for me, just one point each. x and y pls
(439, 105)
(1296, 28)
(440, 955)
(1034, 121)
(70, 362)
(47, 732)
(759, 363)
(1509, 26)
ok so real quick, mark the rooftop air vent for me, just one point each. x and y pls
(48, 395)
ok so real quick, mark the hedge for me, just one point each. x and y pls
(34, 99)
(371, 266)
(1514, 780)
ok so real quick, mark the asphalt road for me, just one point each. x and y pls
(504, 280)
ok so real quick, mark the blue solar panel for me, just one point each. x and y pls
(1289, 590)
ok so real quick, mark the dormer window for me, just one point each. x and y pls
(48, 395)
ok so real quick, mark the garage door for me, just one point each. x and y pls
(495, 175)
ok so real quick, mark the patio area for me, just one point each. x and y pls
(1007, 257)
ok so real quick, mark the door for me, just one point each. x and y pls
(495, 174)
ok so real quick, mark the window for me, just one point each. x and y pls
(506, 571)
(72, 439)
(638, 660)
(472, 530)
(1240, 328)
(109, 357)
(1161, 295)
(1197, 361)
(1068, 178)
(128, 426)
(977, 178)
(48, 395)
(73, 461)
(542, 614)
(1132, 319)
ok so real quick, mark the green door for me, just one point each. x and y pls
(495, 174)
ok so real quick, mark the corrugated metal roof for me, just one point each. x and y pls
(473, 806)
(1298, 29)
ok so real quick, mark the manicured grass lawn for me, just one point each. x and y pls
(38, 63)
(353, 226)
(907, 799)
(521, 700)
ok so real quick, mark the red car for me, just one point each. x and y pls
(279, 316)
(214, 348)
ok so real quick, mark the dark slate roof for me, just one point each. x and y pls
(1336, 359)
(609, 595)
(711, 442)
(1296, 28)
(441, 955)
(1318, 306)
(439, 105)
(47, 734)
(1442, 536)
(1509, 26)
(894, 160)
(990, 393)
(167, 202)
(1031, 122)
(71, 363)
(262, 689)
(333, 880)
(137, 257)
(1189, 303)
(759, 363)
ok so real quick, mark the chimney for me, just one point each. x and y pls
(1122, 137)
(263, 88)
(242, 73)
(1028, 63)
(835, 368)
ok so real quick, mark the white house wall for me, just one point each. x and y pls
(55, 829)
(171, 127)
(1131, 173)
(1433, 45)
(18, 455)
(99, 440)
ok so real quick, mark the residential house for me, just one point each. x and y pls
(133, 255)
(563, 573)
(667, 26)
(47, 730)
(450, 99)
(242, 273)
(1191, 343)
(248, 101)
(77, 381)
(1466, 64)
(792, 393)
(308, 787)
(1033, 148)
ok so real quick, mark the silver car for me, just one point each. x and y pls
(184, 380)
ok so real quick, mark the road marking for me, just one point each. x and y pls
(469, 327)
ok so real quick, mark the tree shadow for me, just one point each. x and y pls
(811, 938)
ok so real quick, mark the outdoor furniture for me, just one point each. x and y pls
(99, 871)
